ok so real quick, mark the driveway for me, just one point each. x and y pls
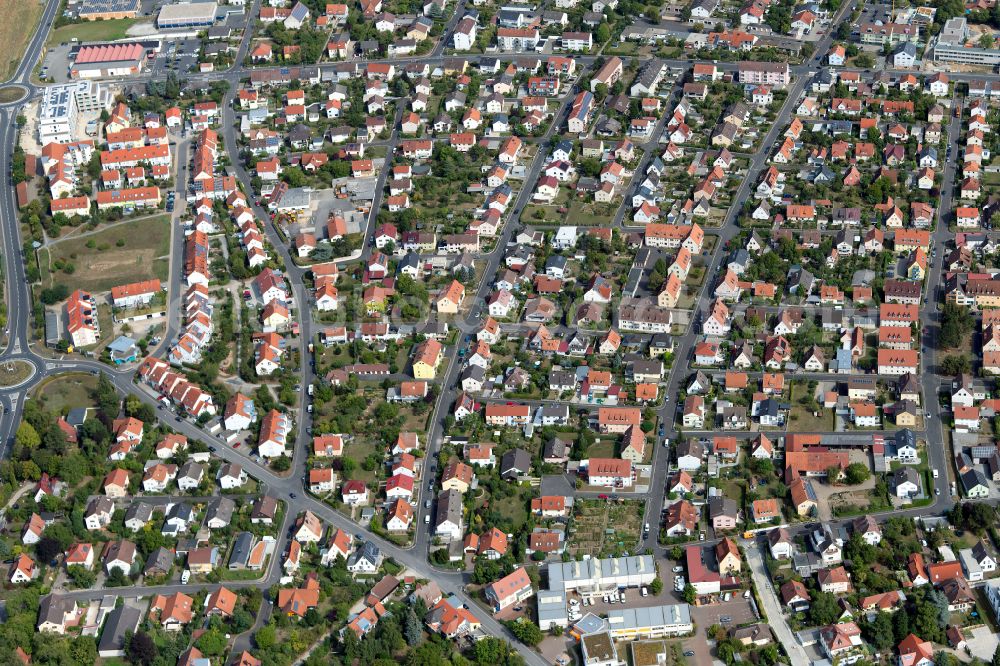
(772, 606)
(982, 642)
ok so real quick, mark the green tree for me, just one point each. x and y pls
(823, 609)
(241, 620)
(603, 33)
(83, 578)
(956, 322)
(955, 364)
(857, 473)
(83, 650)
(412, 629)
(27, 437)
(656, 586)
(689, 593)
(864, 61)
(879, 631)
(267, 637)
(526, 631)
(212, 643)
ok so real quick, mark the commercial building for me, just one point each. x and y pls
(552, 609)
(598, 649)
(653, 622)
(594, 577)
(950, 46)
(101, 10)
(104, 60)
(187, 14)
(61, 105)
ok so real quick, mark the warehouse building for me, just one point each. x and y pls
(104, 60)
(101, 10)
(951, 46)
(654, 622)
(187, 15)
(594, 577)
(61, 105)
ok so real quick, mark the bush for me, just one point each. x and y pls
(526, 631)
(53, 295)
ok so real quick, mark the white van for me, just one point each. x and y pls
(185, 576)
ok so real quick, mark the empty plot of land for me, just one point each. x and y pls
(68, 391)
(127, 252)
(90, 31)
(16, 28)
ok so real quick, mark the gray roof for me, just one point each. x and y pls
(220, 508)
(191, 470)
(181, 511)
(121, 621)
(54, 608)
(240, 553)
(904, 474)
(722, 506)
(139, 511)
(973, 478)
(515, 460)
(100, 505)
(449, 507)
(556, 448)
(368, 551)
(655, 616)
(690, 447)
(160, 559)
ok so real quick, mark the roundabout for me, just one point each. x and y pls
(16, 372)
(12, 94)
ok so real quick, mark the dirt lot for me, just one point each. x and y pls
(127, 252)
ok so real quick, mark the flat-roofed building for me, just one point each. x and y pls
(652, 622)
(187, 14)
(103, 10)
(594, 577)
(61, 105)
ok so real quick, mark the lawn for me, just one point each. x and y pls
(801, 419)
(127, 252)
(68, 391)
(20, 18)
(14, 372)
(88, 31)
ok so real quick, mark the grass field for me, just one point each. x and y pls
(68, 391)
(14, 372)
(16, 28)
(90, 31)
(11, 94)
(101, 263)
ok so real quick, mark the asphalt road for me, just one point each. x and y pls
(19, 314)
